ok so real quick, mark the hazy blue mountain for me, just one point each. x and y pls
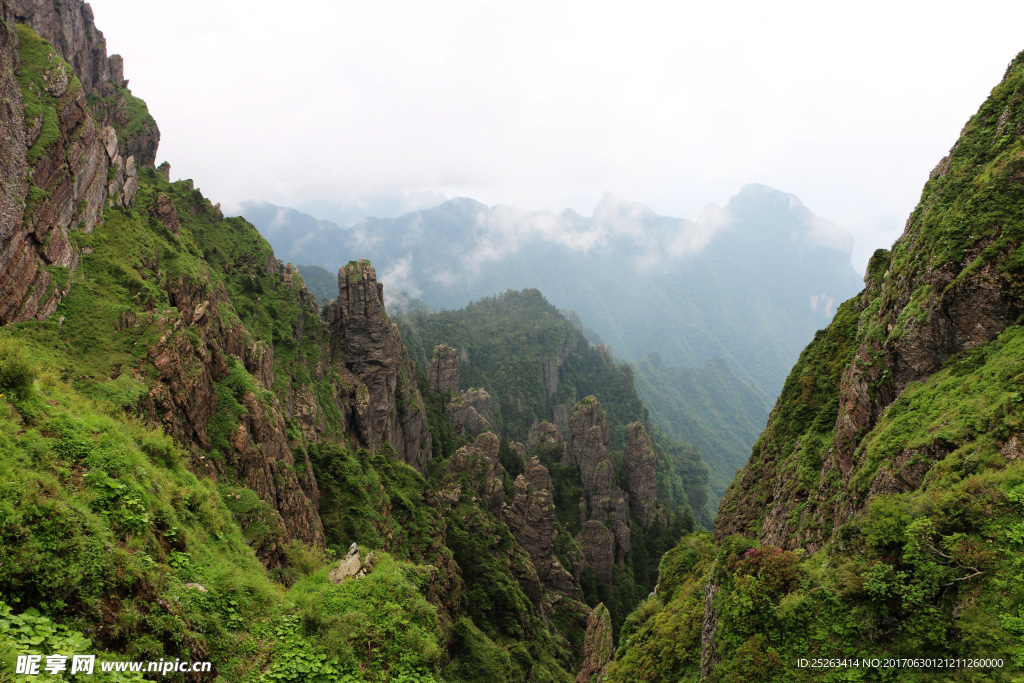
(298, 237)
(347, 210)
(748, 283)
(726, 301)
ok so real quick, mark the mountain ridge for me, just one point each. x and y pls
(505, 249)
(748, 283)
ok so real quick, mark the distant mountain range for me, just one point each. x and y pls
(736, 293)
(749, 283)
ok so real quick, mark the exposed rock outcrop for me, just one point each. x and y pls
(185, 399)
(598, 645)
(18, 260)
(709, 624)
(471, 412)
(603, 502)
(588, 449)
(598, 545)
(57, 173)
(165, 212)
(367, 347)
(535, 526)
(641, 464)
(550, 370)
(69, 26)
(545, 436)
(486, 475)
(352, 566)
(444, 370)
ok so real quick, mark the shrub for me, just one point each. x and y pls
(17, 372)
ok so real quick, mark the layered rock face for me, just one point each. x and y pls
(444, 370)
(16, 249)
(68, 25)
(535, 526)
(185, 400)
(471, 412)
(599, 645)
(641, 463)
(544, 435)
(60, 167)
(952, 282)
(375, 366)
(599, 549)
(480, 461)
(604, 511)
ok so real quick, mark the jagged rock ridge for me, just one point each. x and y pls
(604, 504)
(470, 412)
(534, 524)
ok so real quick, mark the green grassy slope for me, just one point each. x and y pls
(105, 523)
(931, 573)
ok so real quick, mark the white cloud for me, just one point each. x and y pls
(399, 276)
(544, 105)
(825, 233)
(693, 240)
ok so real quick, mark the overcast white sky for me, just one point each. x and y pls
(545, 105)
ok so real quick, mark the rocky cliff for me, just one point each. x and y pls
(69, 27)
(61, 166)
(470, 412)
(12, 161)
(599, 645)
(641, 465)
(368, 349)
(604, 511)
(213, 393)
(444, 370)
(486, 476)
(533, 521)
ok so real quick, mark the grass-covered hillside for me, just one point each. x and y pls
(144, 513)
(123, 532)
(929, 573)
(112, 546)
